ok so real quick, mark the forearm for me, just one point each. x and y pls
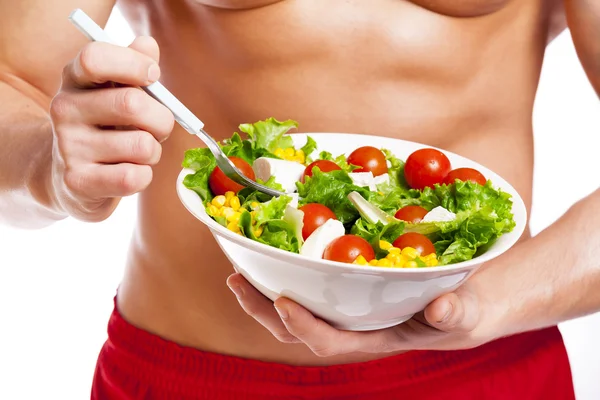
(550, 278)
(27, 197)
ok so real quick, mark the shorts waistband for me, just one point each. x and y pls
(148, 356)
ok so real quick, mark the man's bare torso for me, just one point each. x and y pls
(458, 75)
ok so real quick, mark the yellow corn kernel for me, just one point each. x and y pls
(234, 203)
(219, 201)
(410, 252)
(233, 226)
(394, 259)
(411, 264)
(235, 217)
(212, 210)
(360, 260)
(253, 214)
(300, 156)
(385, 245)
(394, 256)
(431, 263)
(279, 153)
(393, 250)
(373, 262)
(258, 231)
(289, 152)
(384, 262)
(227, 212)
(431, 256)
(254, 204)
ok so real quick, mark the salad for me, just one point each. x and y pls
(366, 208)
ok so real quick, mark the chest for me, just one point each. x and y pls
(454, 8)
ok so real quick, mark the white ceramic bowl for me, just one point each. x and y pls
(348, 296)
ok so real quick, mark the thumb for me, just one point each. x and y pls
(454, 312)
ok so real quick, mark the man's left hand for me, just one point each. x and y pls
(453, 321)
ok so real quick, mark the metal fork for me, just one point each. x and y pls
(182, 114)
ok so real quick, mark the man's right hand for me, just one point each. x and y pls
(107, 131)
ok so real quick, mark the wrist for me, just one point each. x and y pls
(39, 204)
(497, 315)
(43, 184)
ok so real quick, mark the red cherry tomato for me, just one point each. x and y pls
(219, 182)
(411, 214)
(426, 167)
(465, 174)
(369, 159)
(324, 166)
(415, 240)
(315, 215)
(347, 248)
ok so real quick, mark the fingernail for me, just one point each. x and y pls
(447, 314)
(237, 290)
(153, 73)
(283, 314)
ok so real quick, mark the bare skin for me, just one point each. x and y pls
(464, 84)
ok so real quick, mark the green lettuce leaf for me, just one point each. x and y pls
(396, 173)
(474, 236)
(309, 147)
(373, 233)
(269, 134)
(273, 209)
(390, 199)
(196, 158)
(248, 195)
(483, 214)
(237, 147)
(244, 149)
(280, 234)
(395, 191)
(339, 160)
(272, 183)
(331, 189)
(276, 233)
(203, 162)
(295, 218)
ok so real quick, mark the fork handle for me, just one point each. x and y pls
(182, 114)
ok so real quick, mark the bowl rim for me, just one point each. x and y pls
(186, 195)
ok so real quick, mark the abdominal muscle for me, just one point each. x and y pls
(341, 66)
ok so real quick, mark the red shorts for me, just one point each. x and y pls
(134, 364)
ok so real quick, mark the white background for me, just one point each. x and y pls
(57, 284)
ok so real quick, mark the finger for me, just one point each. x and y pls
(97, 182)
(99, 62)
(324, 340)
(118, 106)
(320, 337)
(259, 307)
(146, 45)
(114, 146)
(454, 312)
